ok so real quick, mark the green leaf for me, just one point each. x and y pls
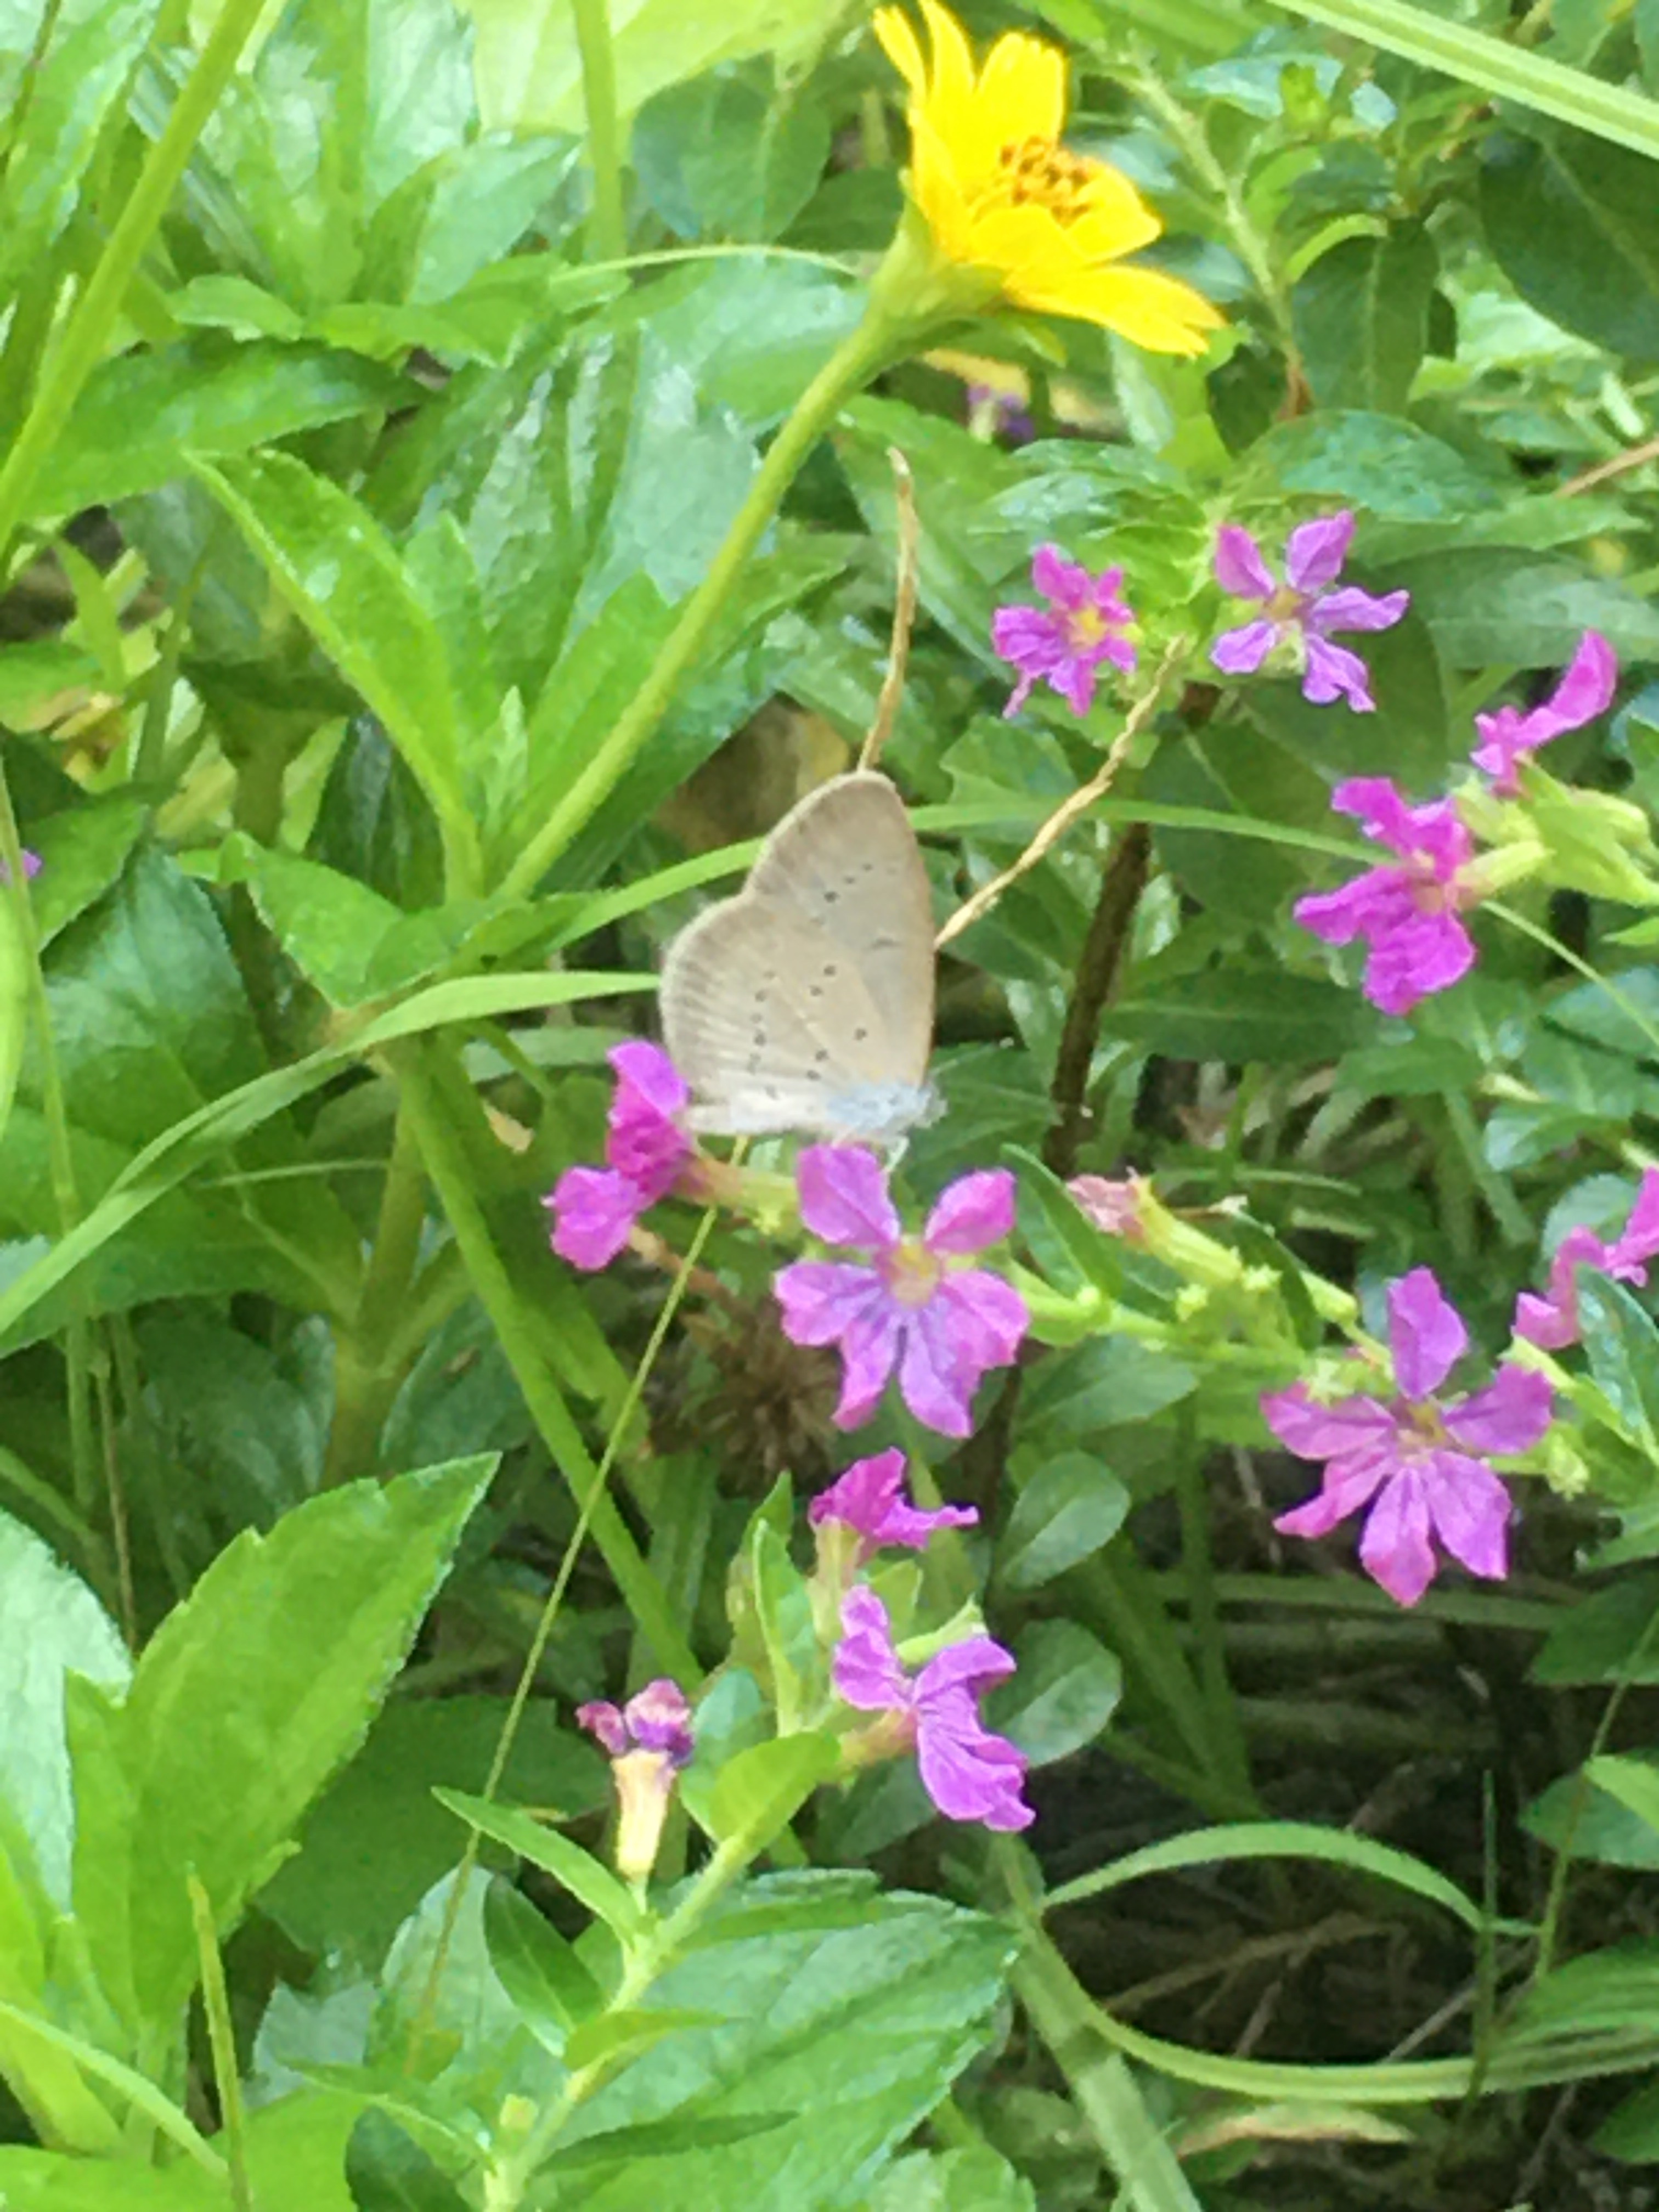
(1623, 1345)
(1375, 461)
(554, 1991)
(1362, 318)
(377, 1840)
(265, 1679)
(142, 413)
(1102, 1384)
(1523, 610)
(759, 1791)
(1240, 1013)
(334, 565)
(570, 1866)
(1570, 221)
(1606, 1822)
(1064, 1512)
(976, 2180)
(351, 943)
(148, 970)
(1227, 1845)
(387, 2171)
(529, 67)
(1064, 1693)
(1611, 1636)
(50, 1625)
(728, 155)
(1499, 66)
(78, 82)
(853, 2033)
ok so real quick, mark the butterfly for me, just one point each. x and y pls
(806, 1002)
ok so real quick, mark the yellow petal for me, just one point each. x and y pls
(938, 190)
(1116, 220)
(950, 93)
(1022, 89)
(903, 48)
(1142, 305)
(1024, 240)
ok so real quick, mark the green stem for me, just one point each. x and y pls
(94, 320)
(1064, 2015)
(366, 1373)
(853, 363)
(452, 1178)
(608, 231)
(1229, 1748)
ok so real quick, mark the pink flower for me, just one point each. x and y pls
(870, 1499)
(1409, 914)
(32, 866)
(915, 1306)
(1553, 1322)
(1585, 691)
(648, 1741)
(656, 1719)
(969, 1774)
(594, 1209)
(1063, 644)
(1300, 613)
(1418, 1466)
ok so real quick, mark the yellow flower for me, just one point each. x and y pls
(1001, 194)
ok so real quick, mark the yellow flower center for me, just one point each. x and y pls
(1422, 1429)
(1039, 173)
(1086, 626)
(911, 1272)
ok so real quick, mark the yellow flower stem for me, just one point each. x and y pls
(876, 340)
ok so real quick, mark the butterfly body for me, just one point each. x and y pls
(806, 1002)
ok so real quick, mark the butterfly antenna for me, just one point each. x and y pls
(904, 611)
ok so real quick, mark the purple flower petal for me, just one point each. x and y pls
(1028, 636)
(1425, 1332)
(870, 1497)
(1587, 687)
(1509, 1415)
(973, 1211)
(1637, 1242)
(1353, 609)
(1470, 1509)
(1375, 903)
(969, 1773)
(659, 1718)
(594, 1209)
(1314, 1431)
(821, 1299)
(844, 1198)
(1240, 568)
(935, 1382)
(866, 1669)
(1315, 551)
(1106, 597)
(1066, 583)
(1240, 652)
(1545, 1322)
(604, 1721)
(1349, 1483)
(1430, 953)
(643, 1140)
(1394, 1548)
(1333, 672)
(870, 1348)
(987, 1316)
